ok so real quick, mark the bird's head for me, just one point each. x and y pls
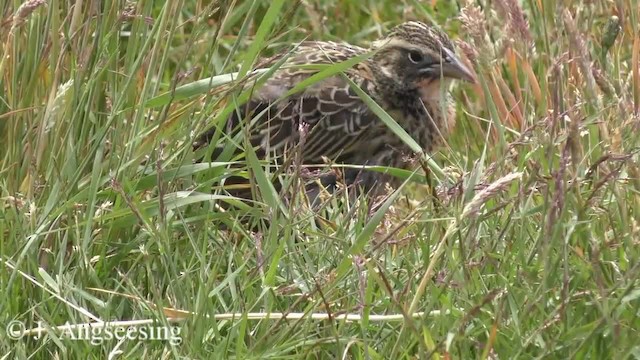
(414, 55)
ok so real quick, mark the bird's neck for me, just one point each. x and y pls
(432, 90)
(424, 111)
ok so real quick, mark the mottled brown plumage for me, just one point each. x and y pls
(407, 74)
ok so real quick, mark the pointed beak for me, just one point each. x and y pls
(454, 68)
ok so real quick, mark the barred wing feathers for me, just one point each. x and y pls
(329, 112)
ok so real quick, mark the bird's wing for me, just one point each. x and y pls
(329, 115)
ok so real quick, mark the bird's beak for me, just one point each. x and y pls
(454, 68)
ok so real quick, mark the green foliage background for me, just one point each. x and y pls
(521, 243)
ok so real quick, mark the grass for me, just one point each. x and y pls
(523, 244)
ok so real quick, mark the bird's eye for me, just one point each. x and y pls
(415, 57)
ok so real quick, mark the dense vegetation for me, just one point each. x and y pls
(519, 241)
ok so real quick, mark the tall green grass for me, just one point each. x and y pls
(521, 243)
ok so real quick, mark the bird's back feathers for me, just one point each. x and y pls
(329, 113)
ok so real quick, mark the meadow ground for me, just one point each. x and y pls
(521, 243)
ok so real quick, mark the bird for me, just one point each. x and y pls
(407, 72)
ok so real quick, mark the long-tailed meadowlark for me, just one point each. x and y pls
(407, 73)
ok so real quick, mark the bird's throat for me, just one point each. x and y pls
(430, 89)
